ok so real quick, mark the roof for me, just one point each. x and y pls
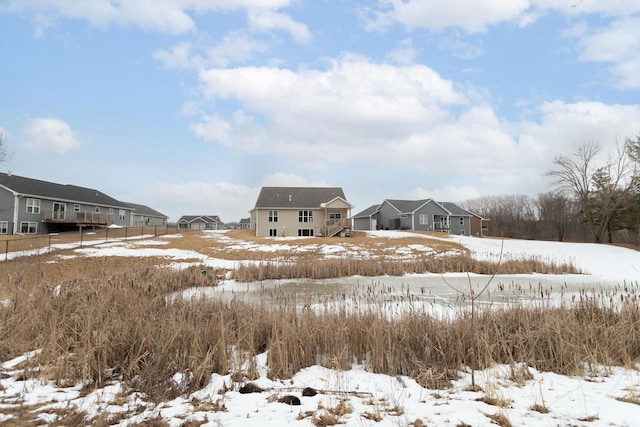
(297, 197)
(367, 212)
(63, 192)
(204, 218)
(407, 206)
(245, 221)
(455, 209)
(146, 211)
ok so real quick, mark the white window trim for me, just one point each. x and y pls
(34, 204)
(29, 224)
(4, 227)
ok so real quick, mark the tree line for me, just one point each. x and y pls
(595, 197)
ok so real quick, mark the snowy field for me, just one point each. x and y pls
(602, 397)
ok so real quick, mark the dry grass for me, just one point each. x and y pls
(101, 319)
(119, 324)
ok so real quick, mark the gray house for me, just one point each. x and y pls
(200, 222)
(31, 206)
(144, 216)
(424, 215)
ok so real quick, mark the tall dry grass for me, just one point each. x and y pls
(122, 325)
(343, 267)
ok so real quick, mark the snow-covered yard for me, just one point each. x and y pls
(604, 396)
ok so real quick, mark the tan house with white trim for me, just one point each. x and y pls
(301, 211)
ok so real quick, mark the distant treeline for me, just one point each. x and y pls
(593, 200)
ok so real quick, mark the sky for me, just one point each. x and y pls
(191, 106)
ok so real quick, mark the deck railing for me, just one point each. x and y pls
(78, 217)
(334, 226)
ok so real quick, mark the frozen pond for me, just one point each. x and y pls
(432, 292)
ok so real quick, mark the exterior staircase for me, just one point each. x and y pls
(334, 226)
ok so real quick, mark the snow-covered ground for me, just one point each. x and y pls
(603, 397)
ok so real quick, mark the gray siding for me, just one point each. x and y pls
(6, 209)
(389, 217)
(433, 211)
(362, 223)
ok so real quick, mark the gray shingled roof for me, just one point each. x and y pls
(455, 209)
(367, 212)
(297, 197)
(62, 192)
(407, 206)
(146, 211)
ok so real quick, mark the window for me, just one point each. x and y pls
(28, 227)
(461, 221)
(33, 206)
(462, 232)
(58, 210)
(424, 219)
(305, 216)
(335, 215)
(305, 232)
(76, 208)
(97, 210)
(273, 232)
(4, 227)
(110, 211)
(273, 216)
(123, 215)
(445, 221)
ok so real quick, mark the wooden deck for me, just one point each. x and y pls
(79, 218)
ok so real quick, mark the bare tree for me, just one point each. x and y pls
(512, 215)
(4, 154)
(555, 213)
(599, 190)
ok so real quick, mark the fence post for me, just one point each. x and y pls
(49, 243)
(155, 231)
(6, 250)
(81, 236)
(126, 233)
(106, 234)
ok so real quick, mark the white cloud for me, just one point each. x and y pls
(234, 48)
(50, 135)
(459, 47)
(619, 45)
(281, 179)
(361, 112)
(405, 53)
(167, 16)
(474, 16)
(179, 56)
(266, 20)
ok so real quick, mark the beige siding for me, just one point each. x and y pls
(288, 222)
